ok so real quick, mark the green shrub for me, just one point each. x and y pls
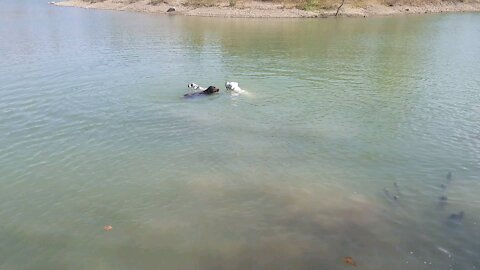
(202, 3)
(156, 2)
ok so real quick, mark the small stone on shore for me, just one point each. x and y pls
(171, 9)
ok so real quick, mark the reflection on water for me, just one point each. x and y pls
(359, 138)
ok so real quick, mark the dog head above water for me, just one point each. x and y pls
(232, 85)
(210, 90)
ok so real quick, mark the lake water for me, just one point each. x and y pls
(342, 146)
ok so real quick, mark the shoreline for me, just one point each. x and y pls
(260, 9)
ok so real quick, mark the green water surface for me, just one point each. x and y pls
(340, 147)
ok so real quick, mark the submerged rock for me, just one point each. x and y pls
(386, 192)
(457, 217)
(394, 195)
(389, 195)
(442, 201)
(395, 184)
(397, 188)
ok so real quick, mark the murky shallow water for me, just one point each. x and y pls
(291, 176)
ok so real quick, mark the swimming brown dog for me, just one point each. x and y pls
(210, 90)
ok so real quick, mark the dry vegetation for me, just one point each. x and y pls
(328, 4)
(151, 2)
(201, 3)
(157, 2)
(301, 4)
(93, 1)
(417, 2)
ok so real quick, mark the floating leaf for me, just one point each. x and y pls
(350, 261)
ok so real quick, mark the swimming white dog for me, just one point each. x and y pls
(196, 86)
(233, 86)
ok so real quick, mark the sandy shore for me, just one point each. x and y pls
(258, 9)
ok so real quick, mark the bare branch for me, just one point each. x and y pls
(338, 9)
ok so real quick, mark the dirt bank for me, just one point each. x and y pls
(263, 9)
